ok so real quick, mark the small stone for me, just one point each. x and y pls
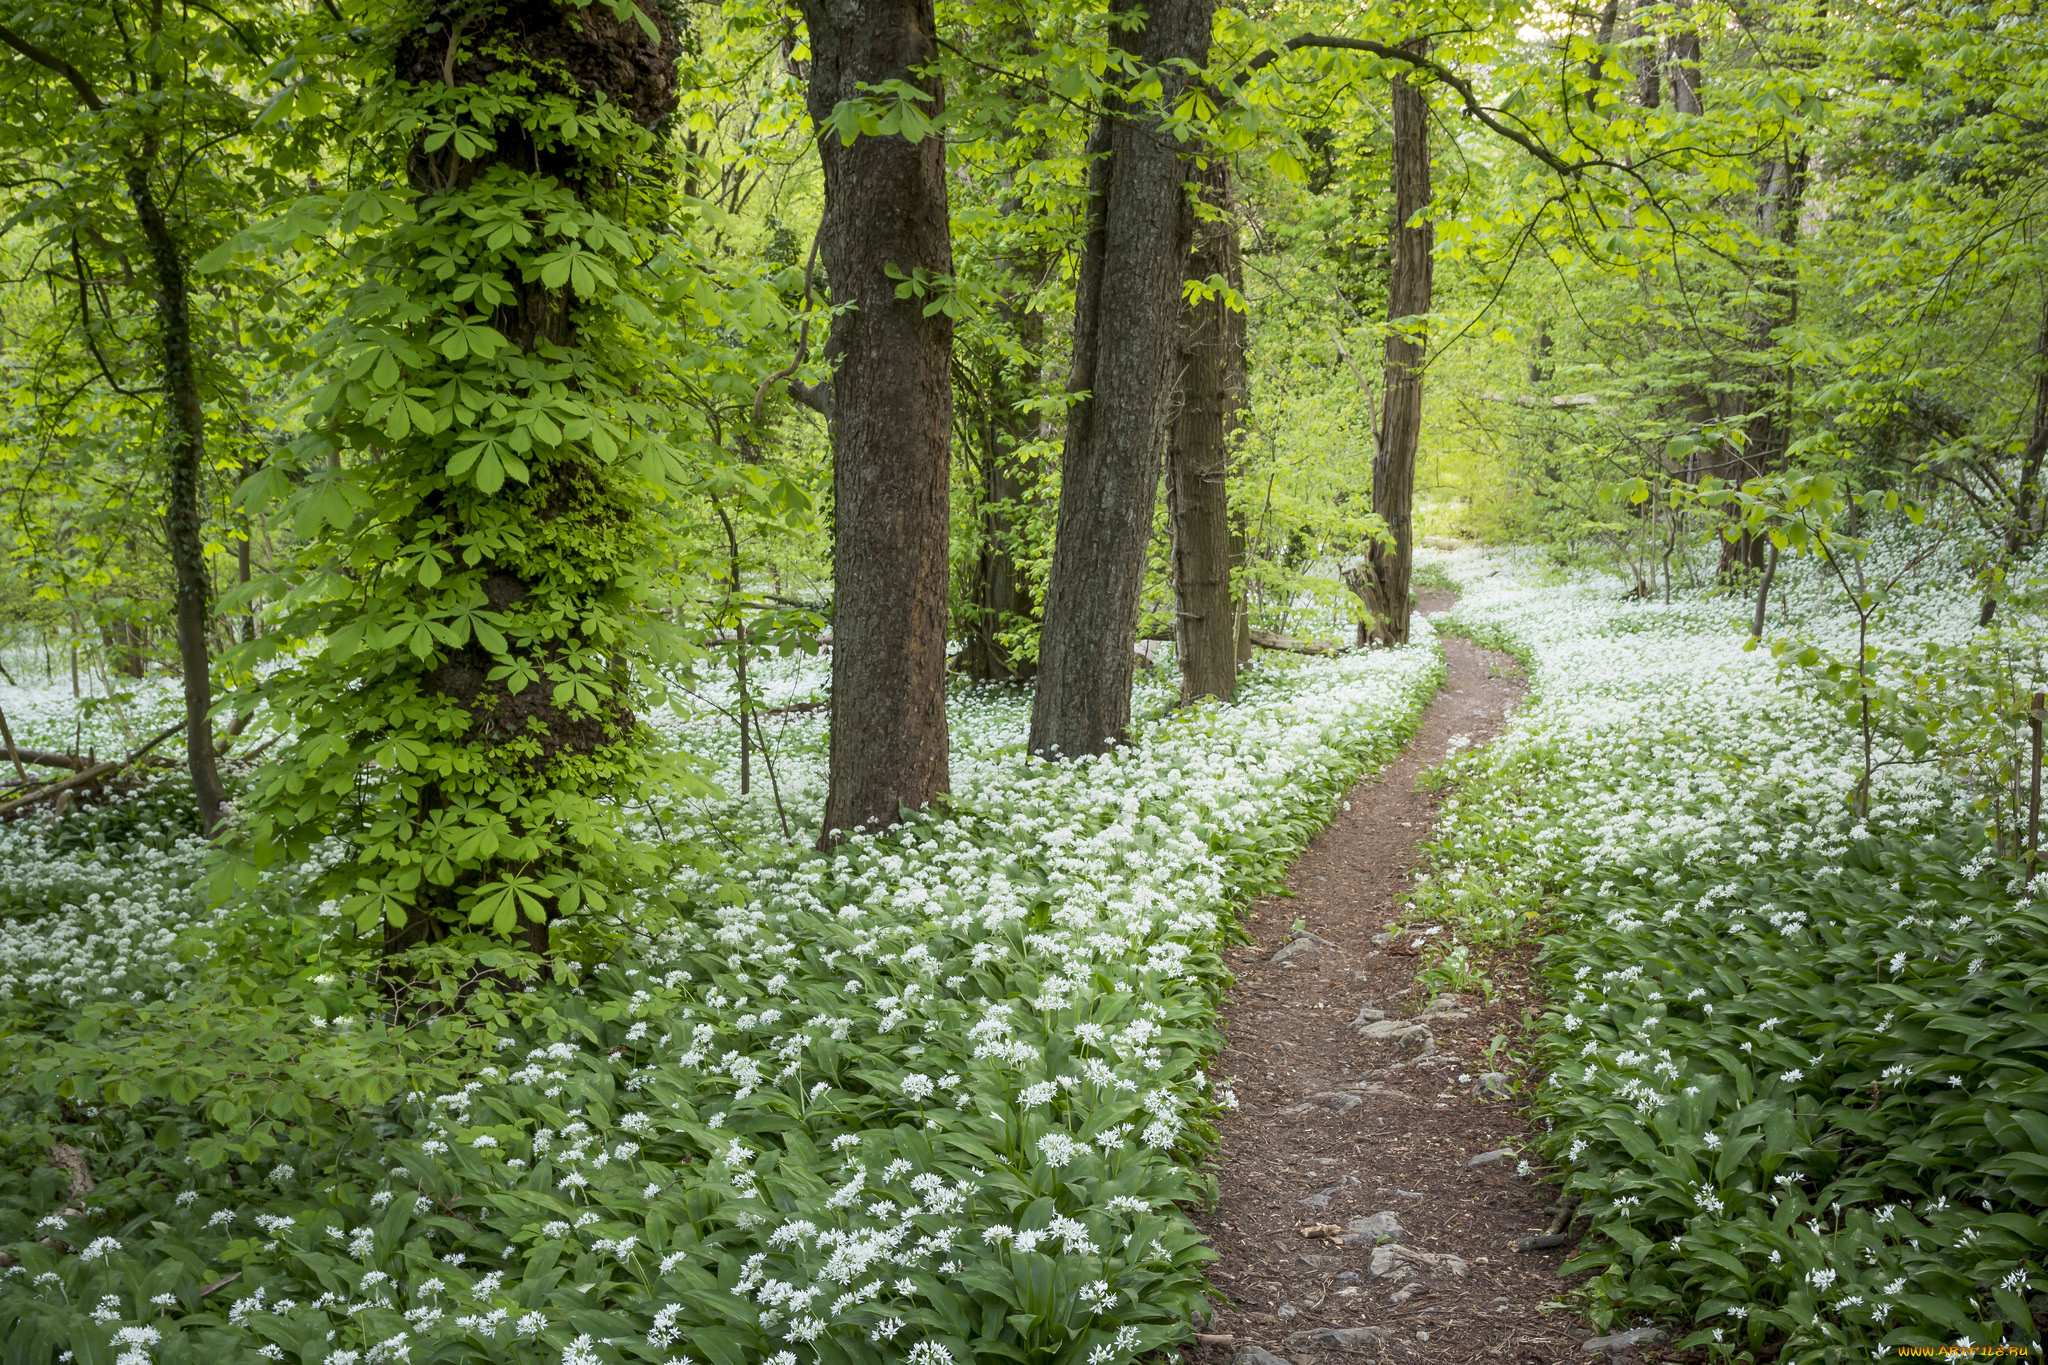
(1347, 1277)
(1621, 1341)
(1374, 1228)
(1343, 1338)
(1285, 1310)
(1302, 945)
(1315, 1201)
(1382, 940)
(1491, 1085)
(1341, 1101)
(1488, 1158)
(1416, 1041)
(1252, 1355)
(1368, 1015)
(1384, 1028)
(1396, 1262)
(1421, 1335)
(1322, 1262)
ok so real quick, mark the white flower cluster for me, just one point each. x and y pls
(858, 1090)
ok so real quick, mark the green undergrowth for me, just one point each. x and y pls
(1797, 1062)
(939, 1096)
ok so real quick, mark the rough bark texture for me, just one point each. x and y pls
(1126, 309)
(184, 458)
(1381, 580)
(1212, 395)
(892, 419)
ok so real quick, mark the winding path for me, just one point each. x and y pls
(1352, 1129)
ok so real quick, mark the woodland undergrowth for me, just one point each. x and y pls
(940, 1096)
(1794, 1055)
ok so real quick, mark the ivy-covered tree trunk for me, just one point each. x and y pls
(184, 525)
(892, 419)
(468, 728)
(1126, 313)
(1382, 580)
(1212, 393)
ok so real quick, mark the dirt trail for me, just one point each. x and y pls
(1341, 1120)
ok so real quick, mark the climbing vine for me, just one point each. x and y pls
(523, 375)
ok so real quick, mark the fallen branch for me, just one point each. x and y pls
(48, 758)
(91, 774)
(1266, 639)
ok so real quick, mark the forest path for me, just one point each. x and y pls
(1342, 1122)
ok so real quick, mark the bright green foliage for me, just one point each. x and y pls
(529, 366)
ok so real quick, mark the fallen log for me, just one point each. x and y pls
(56, 790)
(1266, 639)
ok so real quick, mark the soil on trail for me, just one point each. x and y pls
(1374, 1136)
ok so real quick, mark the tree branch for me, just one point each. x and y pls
(1435, 68)
(53, 62)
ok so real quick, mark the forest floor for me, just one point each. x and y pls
(1364, 1186)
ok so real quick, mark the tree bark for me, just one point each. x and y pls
(1212, 389)
(184, 436)
(2022, 524)
(1682, 75)
(999, 595)
(1126, 309)
(892, 421)
(1768, 431)
(184, 458)
(1382, 580)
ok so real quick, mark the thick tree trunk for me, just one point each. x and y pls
(1212, 388)
(1126, 310)
(892, 420)
(1382, 581)
(184, 526)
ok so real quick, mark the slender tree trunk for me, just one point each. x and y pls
(1682, 75)
(1212, 386)
(184, 457)
(2022, 525)
(1126, 310)
(999, 594)
(892, 420)
(1647, 83)
(1240, 562)
(1382, 581)
(1768, 429)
